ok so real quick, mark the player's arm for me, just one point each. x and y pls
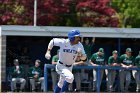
(82, 54)
(91, 61)
(131, 65)
(121, 61)
(78, 61)
(53, 42)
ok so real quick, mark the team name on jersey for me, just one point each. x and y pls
(127, 61)
(100, 60)
(70, 51)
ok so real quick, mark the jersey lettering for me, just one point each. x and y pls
(127, 61)
(70, 51)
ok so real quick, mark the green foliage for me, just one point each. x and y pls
(129, 12)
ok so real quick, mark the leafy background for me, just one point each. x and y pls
(84, 13)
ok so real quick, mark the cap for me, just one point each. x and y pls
(37, 61)
(128, 50)
(101, 50)
(15, 60)
(115, 52)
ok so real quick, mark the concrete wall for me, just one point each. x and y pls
(2, 59)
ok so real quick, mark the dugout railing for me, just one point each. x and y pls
(50, 66)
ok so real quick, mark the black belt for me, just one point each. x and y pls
(65, 65)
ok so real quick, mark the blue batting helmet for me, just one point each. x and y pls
(72, 34)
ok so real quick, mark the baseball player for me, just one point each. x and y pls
(136, 74)
(126, 61)
(17, 73)
(69, 50)
(97, 59)
(112, 61)
(35, 74)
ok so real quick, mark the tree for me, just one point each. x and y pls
(128, 10)
(59, 13)
(97, 13)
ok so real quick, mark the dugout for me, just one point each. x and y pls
(36, 38)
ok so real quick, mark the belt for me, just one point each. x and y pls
(65, 65)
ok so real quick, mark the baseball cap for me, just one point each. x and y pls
(15, 60)
(128, 50)
(37, 61)
(115, 52)
(101, 50)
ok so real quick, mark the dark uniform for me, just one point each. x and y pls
(98, 59)
(125, 75)
(136, 73)
(17, 73)
(35, 74)
(112, 61)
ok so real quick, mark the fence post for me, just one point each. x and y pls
(46, 77)
(98, 79)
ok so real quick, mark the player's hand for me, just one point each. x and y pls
(47, 56)
(79, 52)
(36, 76)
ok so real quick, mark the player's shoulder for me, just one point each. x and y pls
(123, 55)
(60, 39)
(95, 54)
(111, 57)
(80, 44)
(63, 39)
(138, 57)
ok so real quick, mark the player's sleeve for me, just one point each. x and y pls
(55, 42)
(82, 48)
(109, 60)
(84, 56)
(136, 61)
(121, 58)
(133, 61)
(92, 58)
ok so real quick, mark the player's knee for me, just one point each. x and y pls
(70, 78)
(60, 83)
(13, 79)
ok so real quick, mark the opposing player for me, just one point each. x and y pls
(112, 61)
(126, 61)
(136, 73)
(69, 50)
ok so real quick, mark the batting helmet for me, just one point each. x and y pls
(72, 34)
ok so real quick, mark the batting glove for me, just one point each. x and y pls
(47, 56)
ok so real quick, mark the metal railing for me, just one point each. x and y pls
(98, 68)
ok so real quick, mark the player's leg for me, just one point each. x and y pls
(66, 72)
(23, 82)
(78, 81)
(122, 77)
(41, 80)
(134, 75)
(137, 78)
(94, 80)
(13, 84)
(112, 79)
(54, 79)
(32, 83)
(108, 78)
(59, 84)
(128, 80)
(61, 78)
